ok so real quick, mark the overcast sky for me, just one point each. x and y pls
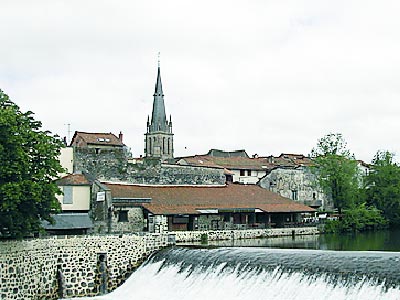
(267, 76)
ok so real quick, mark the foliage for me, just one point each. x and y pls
(336, 171)
(359, 218)
(383, 186)
(29, 163)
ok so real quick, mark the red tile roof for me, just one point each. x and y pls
(73, 179)
(188, 199)
(82, 139)
(237, 162)
(247, 163)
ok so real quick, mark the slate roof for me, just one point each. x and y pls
(222, 153)
(103, 139)
(158, 117)
(69, 221)
(73, 179)
(188, 199)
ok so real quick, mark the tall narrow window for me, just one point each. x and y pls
(67, 198)
(242, 173)
(163, 145)
(294, 195)
(149, 150)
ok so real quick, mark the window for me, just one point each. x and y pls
(295, 195)
(123, 216)
(248, 172)
(150, 148)
(163, 145)
(314, 196)
(242, 173)
(67, 199)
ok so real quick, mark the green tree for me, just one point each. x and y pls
(336, 171)
(29, 163)
(358, 218)
(383, 186)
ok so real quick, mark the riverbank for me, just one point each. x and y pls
(75, 266)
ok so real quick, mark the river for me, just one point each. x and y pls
(305, 267)
(384, 240)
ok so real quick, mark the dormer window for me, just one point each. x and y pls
(103, 140)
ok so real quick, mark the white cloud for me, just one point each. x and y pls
(268, 76)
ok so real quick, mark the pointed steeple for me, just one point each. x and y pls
(158, 118)
(158, 89)
(159, 139)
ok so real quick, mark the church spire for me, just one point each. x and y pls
(158, 89)
(159, 142)
(158, 117)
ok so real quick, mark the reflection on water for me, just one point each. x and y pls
(385, 240)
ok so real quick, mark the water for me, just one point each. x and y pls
(385, 240)
(262, 273)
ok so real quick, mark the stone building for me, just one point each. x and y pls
(172, 208)
(291, 176)
(238, 166)
(287, 174)
(298, 183)
(97, 141)
(159, 139)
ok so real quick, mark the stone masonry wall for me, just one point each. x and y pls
(196, 236)
(69, 266)
(298, 184)
(135, 222)
(113, 165)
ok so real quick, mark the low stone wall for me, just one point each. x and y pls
(72, 265)
(196, 236)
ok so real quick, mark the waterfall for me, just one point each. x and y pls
(256, 273)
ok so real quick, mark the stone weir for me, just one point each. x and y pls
(72, 266)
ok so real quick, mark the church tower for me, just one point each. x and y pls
(159, 141)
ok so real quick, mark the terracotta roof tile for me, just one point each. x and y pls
(187, 199)
(73, 179)
(104, 139)
(247, 163)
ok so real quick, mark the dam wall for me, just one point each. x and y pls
(220, 235)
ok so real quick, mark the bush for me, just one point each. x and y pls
(360, 218)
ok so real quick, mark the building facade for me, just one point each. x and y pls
(194, 208)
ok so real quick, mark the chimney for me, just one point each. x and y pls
(120, 136)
